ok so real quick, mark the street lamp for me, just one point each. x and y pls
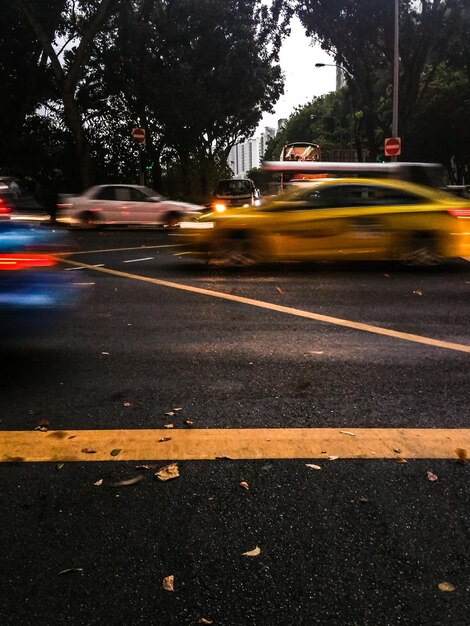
(353, 116)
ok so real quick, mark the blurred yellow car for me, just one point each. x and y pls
(338, 219)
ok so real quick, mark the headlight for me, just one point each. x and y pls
(219, 208)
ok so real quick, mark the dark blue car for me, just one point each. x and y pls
(36, 294)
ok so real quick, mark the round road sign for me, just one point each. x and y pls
(139, 134)
(392, 146)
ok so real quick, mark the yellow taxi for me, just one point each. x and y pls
(338, 219)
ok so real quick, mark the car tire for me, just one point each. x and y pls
(89, 220)
(172, 219)
(421, 250)
(233, 250)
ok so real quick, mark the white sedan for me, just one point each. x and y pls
(122, 204)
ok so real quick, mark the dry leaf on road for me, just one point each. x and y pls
(431, 476)
(279, 290)
(253, 552)
(244, 484)
(115, 452)
(203, 620)
(400, 460)
(462, 455)
(168, 472)
(71, 570)
(88, 451)
(169, 583)
(170, 413)
(163, 439)
(445, 586)
(169, 426)
(312, 466)
(99, 482)
(347, 432)
(188, 422)
(333, 457)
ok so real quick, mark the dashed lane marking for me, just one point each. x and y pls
(249, 443)
(281, 309)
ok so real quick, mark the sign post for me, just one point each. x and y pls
(138, 134)
(392, 146)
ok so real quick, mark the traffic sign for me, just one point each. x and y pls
(392, 146)
(139, 134)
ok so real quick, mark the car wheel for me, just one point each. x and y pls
(172, 219)
(89, 220)
(234, 250)
(421, 250)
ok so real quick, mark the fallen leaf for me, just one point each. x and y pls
(312, 466)
(59, 466)
(279, 289)
(99, 482)
(169, 426)
(162, 439)
(189, 422)
(431, 476)
(253, 552)
(88, 451)
(127, 404)
(105, 353)
(178, 408)
(347, 432)
(72, 436)
(168, 472)
(70, 570)
(42, 429)
(244, 484)
(397, 450)
(115, 452)
(445, 586)
(400, 460)
(224, 457)
(169, 583)
(462, 455)
(418, 293)
(170, 413)
(128, 481)
(203, 620)
(333, 457)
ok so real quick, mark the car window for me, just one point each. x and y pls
(366, 196)
(123, 194)
(106, 193)
(136, 195)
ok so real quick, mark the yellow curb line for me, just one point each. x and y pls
(251, 443)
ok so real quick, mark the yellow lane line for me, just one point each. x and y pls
(167, 245)
(249, 443)
(282, 309)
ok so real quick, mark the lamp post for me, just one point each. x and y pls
(353, 117)
(396, 59)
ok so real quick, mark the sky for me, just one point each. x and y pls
(303, 80)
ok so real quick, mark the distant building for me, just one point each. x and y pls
(246, 155)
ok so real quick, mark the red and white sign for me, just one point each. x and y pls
(392, 146)
(139, 134)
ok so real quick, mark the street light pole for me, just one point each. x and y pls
(396, 60)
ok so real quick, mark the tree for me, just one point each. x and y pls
(72, 24)
(197, 74)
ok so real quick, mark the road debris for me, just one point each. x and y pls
(168, 472)
(446, 586)
(169, 583)
(255, 552)
(115, 452)
(244, 484)
(312, 466)
(128, 481)
(431, 476)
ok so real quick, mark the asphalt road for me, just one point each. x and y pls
(170, 362)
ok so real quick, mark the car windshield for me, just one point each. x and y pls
(233, 187)
(151, 193)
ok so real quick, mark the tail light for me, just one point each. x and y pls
(25, 261)
(461, 212)
(4, 209)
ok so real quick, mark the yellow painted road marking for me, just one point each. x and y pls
(249, 443)
(378, 330)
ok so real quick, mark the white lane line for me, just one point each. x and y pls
(147, 258)
(141, 248)
(378, 330)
